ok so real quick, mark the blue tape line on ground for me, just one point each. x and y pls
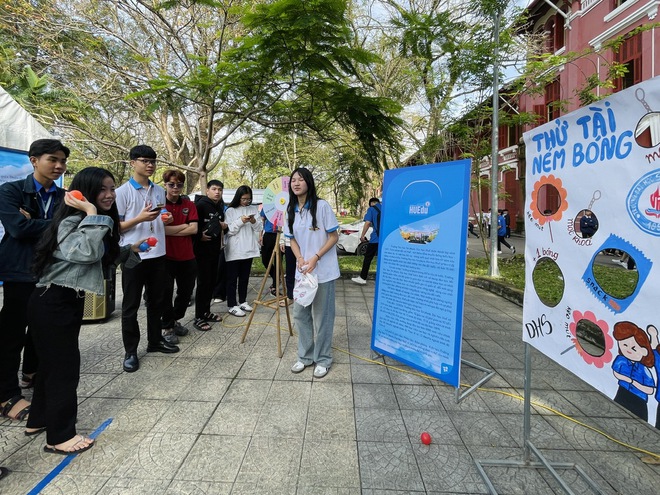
(67, 460)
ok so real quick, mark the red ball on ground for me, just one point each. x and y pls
(426, 438)
(76, 194)
(152, 241)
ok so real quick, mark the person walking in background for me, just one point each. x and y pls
(241, 247)
(208, 248)
(371, 219)
(139, 203)
(26, 211)
(267, 240)
(507, 222)
(312, 228)
(181, 266)
(70, 259)
(501, 234)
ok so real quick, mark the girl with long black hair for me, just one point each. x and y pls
(69, 260)
(241, 246)
(312, 227)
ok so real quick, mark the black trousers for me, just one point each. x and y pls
(207, 272)
(13, 322)
(501, 240)
(220, 291)
(149, 274)
(290, 273)
(55, 316)
(269, 239)
(184, 274)
(372, 250)
(238, 274)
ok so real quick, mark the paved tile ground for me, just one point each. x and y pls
(222, 417)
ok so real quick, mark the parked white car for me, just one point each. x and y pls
(349, 239)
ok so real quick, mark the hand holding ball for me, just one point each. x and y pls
(77, 194)
(152, 241)
(144, 247)
(164, 214)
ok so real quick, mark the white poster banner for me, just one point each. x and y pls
(593, 245)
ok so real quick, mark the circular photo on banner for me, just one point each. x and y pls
(276, 199)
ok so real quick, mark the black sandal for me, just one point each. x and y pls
(21, 415)
(212, 317)
(3, 472)
(201, 324)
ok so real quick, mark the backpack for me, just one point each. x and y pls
(377, 223)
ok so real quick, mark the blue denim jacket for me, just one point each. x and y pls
(77, 258)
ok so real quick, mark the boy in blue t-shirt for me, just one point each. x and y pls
(372, 218)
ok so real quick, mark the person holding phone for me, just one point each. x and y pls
(241, 246)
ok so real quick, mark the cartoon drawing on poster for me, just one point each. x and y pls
(593, 243)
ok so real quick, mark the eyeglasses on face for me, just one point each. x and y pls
(246, 200)
(174, 185)
(146, 161)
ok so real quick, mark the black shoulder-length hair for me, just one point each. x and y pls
(312, 198)
(236, 202)
(89, 181)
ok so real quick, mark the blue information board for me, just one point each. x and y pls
(420, 281)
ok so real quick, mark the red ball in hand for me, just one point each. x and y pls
(152, 241)
(76, 194)
(425, 438)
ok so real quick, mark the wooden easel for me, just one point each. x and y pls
(274, 303)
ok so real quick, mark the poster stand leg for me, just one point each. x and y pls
(488, 375)
(280, 295)
(529, 448)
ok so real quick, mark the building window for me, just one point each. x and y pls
(630, 55)
(552, 100)
(617, 3)
(554, 29)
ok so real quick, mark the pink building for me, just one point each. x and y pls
(575, 27)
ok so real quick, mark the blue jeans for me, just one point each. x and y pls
(316, 320)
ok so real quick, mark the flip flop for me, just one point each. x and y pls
(9, 405)
(54, 450)
(35, 432)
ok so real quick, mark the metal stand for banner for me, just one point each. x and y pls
(280, 299)
(529, 448)
(488, 375)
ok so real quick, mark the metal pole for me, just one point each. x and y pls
(527, 408)
(494, 186)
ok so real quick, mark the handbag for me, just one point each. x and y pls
(305, 288)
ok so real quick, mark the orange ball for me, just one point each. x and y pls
(76, 194)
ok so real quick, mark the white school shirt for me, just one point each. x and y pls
(131, 200)
(310, 241)
(242, 239)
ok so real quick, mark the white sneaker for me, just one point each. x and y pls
(499, 252)
(513, 249)
(298, 366)
(246, 307)
(217, 301)
(320, 371)
(236, 311)
(359, 280)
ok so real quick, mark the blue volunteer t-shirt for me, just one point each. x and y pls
(372, 216)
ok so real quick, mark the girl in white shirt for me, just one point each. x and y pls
(312, 227)
(241, 245)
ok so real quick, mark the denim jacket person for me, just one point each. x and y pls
(78, 257)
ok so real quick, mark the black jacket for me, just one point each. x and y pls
(21, 235)
(205, 210)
